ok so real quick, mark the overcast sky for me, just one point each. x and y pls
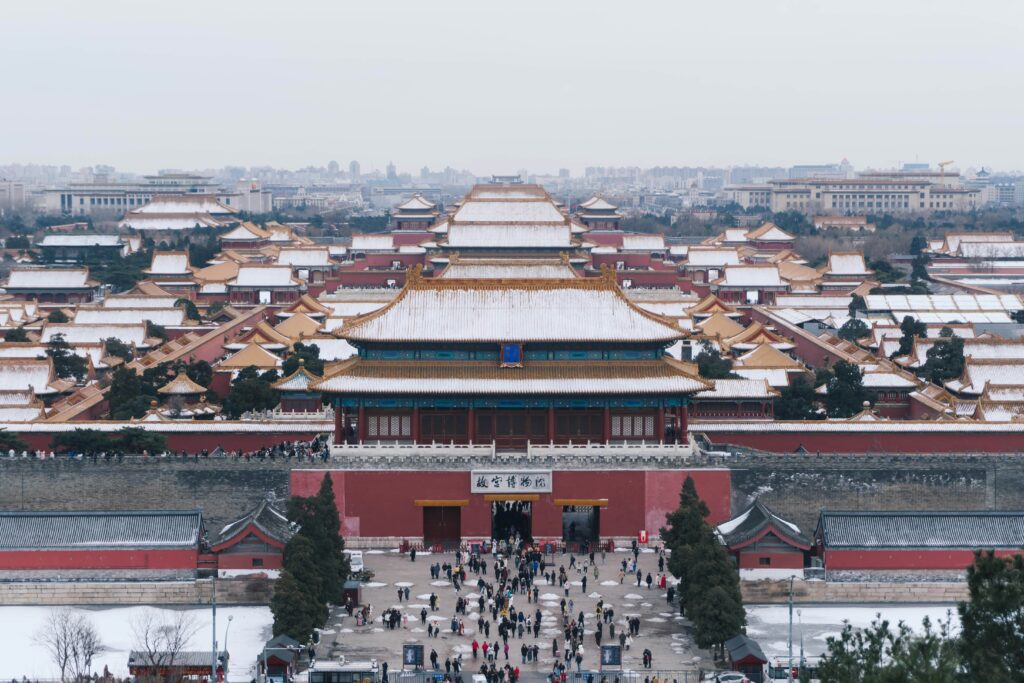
(496, 86)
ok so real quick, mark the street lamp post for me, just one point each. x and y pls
(227, 656)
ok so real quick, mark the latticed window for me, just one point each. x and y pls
(633, 426)
(389, 426)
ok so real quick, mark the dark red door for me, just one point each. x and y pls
(442, 525)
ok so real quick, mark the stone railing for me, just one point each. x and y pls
(619, 455)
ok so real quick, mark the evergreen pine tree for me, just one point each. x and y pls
(992, 622)
(296, 612)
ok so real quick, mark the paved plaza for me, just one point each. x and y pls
(667, 635)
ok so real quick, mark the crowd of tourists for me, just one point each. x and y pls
(503, 583)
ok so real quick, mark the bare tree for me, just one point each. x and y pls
(71, 640)
(160, 637)
(86, 645)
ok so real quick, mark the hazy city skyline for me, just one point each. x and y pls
(536, 86)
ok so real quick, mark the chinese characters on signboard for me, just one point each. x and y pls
(510, 481)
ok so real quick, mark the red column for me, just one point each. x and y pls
(606, 425)
(551, 424)
(416, 424)
(339, 431)
(659, 427)
(471, 424)
(685, 414)
(361, 424)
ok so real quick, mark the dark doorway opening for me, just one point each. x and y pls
(442, 525)
(512, 519)
(581, 523)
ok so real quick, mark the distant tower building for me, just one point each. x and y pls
(599, 214)
(353, 170)
(417, 213)
(563, 173)
(392, 172)
(333, 167)
(424, 172)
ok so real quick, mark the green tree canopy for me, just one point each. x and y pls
(797, 401)
(878, 654)
(992, 621)
(910, 328)
(85, 441)
(712, 365)
(857, 305)
(191, 312)
(136, 440)
(846, 393)
(66, 363)
(57, 316)
(854, 329)
(16, 334)
(296, 612)
(309, 354)
(251, 390)
(9, 441)
(116, 347)
(945, 360)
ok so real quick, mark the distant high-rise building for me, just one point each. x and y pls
(333, 167)
(425, 172)
(353, 170)
(392, 172)
(563, 173)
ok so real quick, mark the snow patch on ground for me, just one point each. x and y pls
(609, 583)
(594, 596)
(374, 584)
(633, 596)
(549, 596)
(440, 583)
(21, 656)
(404, 584)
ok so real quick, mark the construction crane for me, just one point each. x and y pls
(942, 169)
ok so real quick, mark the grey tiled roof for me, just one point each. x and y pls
(754, 520)
(191, 658)
(265, 517)
(85, 530)
(955, 529)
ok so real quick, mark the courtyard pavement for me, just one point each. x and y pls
(667, 635)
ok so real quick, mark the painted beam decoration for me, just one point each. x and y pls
(510, 481)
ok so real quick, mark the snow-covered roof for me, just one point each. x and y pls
(912, 303)
(776, 377)
(751, 276)
(416, 203)
(181, 385)
(332, 348)
(847, 263)
(81, 241)
(643, 243)
(167, 317)
(148, 302)
(514, 235)
(597, 204)
(738, 388)
(381, 242)
(538, 377)
(304, 256)
(769, 232)
(519, 211)
(244, 232)
(508, 269)
(169, 222)
(49, 278)
(25, 374)
(186, 204)
(170, 263)
(702, 256)
(75, 333)
(991, 250)
(263, 276)
(581, 309)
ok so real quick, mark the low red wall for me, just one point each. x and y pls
(193, 442)
(752, 560)
(383, 503)
(99, 559)
(903, 559)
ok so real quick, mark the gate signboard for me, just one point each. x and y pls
(510, 481)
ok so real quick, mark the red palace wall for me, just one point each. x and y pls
(752, 560)
(99, 559)
(244, 560)
(903, 559)
(383, 503)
